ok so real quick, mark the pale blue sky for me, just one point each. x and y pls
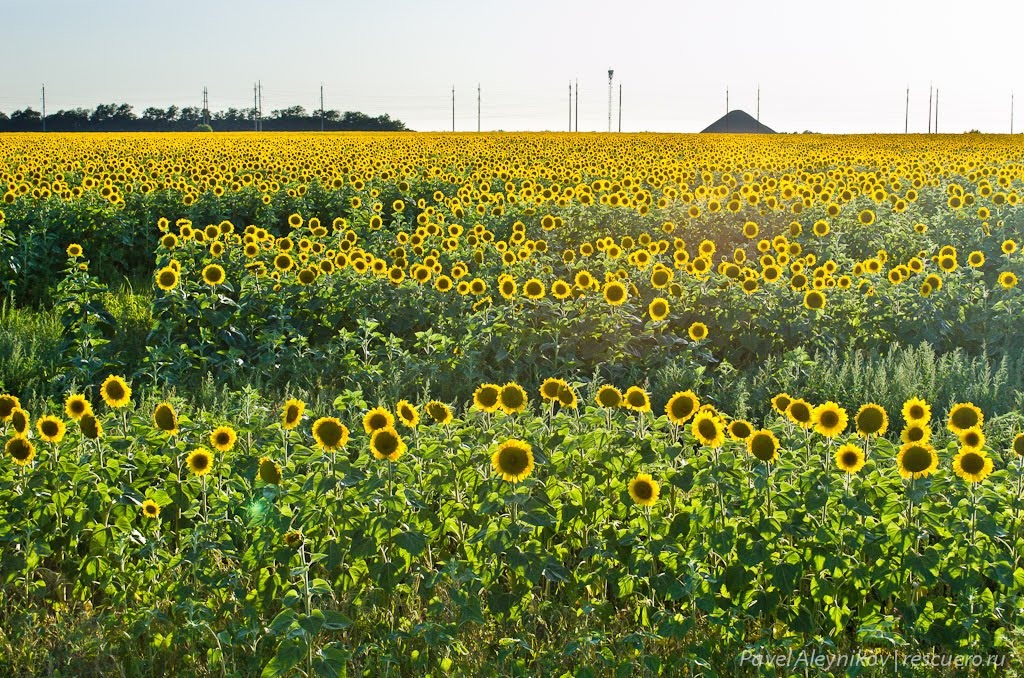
(822, 66)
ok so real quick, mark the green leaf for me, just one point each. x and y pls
(289, 654)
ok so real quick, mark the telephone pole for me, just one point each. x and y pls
(259, 115)
(44, 108)
(570, 105)
(321, 107)
(255, 108)
(577, 104)
(936, 110)
(206, 107)
(758, 118)
(620, 107)
(611, 74)
(906, 115)
(453, 108)
(478, 108)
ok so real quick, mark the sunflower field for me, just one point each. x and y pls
(531, 404)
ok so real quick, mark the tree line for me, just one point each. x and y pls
(121, 118)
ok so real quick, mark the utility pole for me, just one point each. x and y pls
(906, 115)
(1011, 112)
(936, 110)
(321, 107)
(577, 104)
(929, 108)
(611, 74)
(255, 120)
(570, 105)
(260, 115)
(478, 108)
(727, 125)
(453, 108)
(758, 118)
(44, 108)
(620, 107)
(206, 107)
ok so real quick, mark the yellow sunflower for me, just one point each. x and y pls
(115, 391)
(963, 416)
(609, 397)
(513, 460)
(708, 429)
(20, 422)
(512, 398)
(90, 426)
(850, 458)
(871, 420)
(644, 490)
(916, 410)
(291, 413)
(213, 274)
(658, 309)
(763, 445)
(439, 412)
(636, 399)
(20, 450)
(8, 404)
(614, 293)
(830, 419)
(681, 406)
(385, 443)
(165, 418)
(972, 465)
(698, 331)
(916, 432)
(376, 419)
(916, 460)
(76, 406)
(150, 509)
(407, 413)
(550, 388)
(199, 461)
(800, 412)
(270, 472)
(330, 434)
(740, 429)
(486, 397)
(1018, 445)
(51, 429)
(780, 403)
(223, 438)
(167, 278)
(972, 438)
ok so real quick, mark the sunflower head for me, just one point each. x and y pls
(199, 461)
(385, 443)
(644, 490)
(871, 420)
(167, 278)
(740, 429)
(8, 404)
(801, 413)
(90, 426)
(780, 403)
(293, 539)
(916, 410)
(658, 309)
(439, 412)
(20, 422)
(150, 509)
(916, 432)
(963, 416)
(165, 418)
(512, 398)
(20, 450)
(636, 399)
(698, 331)
(850, 458)
(486, 397)
(407, 413)
(270, 472)
(51, 429)
(330, 434)
(513, 460)
(223, 438)
(75, 406)
(376, 419)
(291, 414)
(972, 465)
(708, 429)
(763, 445)
(972, 438)
(609, 397)
(830, 419)
(115, 391)
(550, 388)
(916, 460)
(567, 397)
(1018, 445)
(213, 275)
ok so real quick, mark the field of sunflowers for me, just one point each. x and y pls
(530, 404)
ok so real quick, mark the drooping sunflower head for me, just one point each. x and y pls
(550, 388)
(376, 419)
(439, 412)
(763, 445)
(20, 422)
(512, 398)
(270, 472)
(708, 429)
(1018, 445)
(115, 391)
(8, 404)
(609, 397)
(830, 419)
(916, 460)
(150, 509)
(330, 434)
(75, 406)
(513, 460)
(223, 438)
(20, 450)
(871, 420)
(291, 413)
(644, 490)
(486, 397)
(681, 406)
(850, 458)
(740, 429)
(567, 397)
(916, 410)
(963, 416)
(90, 426)
(293, 539)
(972, 438)
(636, 399)
(387, 444)
(51, 429)
(165, 418)
(199, 461)
(801, 413)
(972, 465)
(407, 413)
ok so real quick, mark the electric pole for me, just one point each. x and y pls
(620, 107)
(906, 115)
(453, 108)
(255, 120)
(570, 105)
(321, 107)
(478, 108)
(577, 104)
(44, 108)
(611, 74)
(260, 117)
(206, 107)
(758, 118)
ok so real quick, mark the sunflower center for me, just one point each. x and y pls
(488, 397)
(682, 407)
(829, 419)
(513, 461)
(972, 463)
(849, 458)
(643, 489)
(870, 420)
(801, 412)
(386, 443)
(19, 449)
(915, 434)
(971, 439)
(916, 412)
(512, 398)
(115, 390)
(49, 428)
(707, 429)
(292, 414)
(965, 417)
(200, 462)
(762, 447)
(330, 433)
(378, 421)
(917, 459)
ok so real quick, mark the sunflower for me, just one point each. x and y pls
(512, 398)
(223, 438)
(74, 250)
(866, 217)
(213, 274)
(658, 309)
(75, 406)
(533, 289)
(698, 331)
(385, 443)
(550, 388)
(567, 397)
(1007, 280)
(407, 413)
(167, 278)
(800, 412)
(644, 490)
(150, 509)
(90, 426)
(830, 419)
(708, 429)
(1018, 445)
(916, 460)
(609, 397)
(8, 404)
(330, 434)
(871, 420)
(513, 460)
(916, 432)
(972, 438)
(814, 300)
(21, 451)
(165, 418)
(963, 416)
(376, 419)
(486, 397)
(681, 406)
(293, 539)
(740, 429)
(636, 399)
(199, 461)
(614, 293)
(916, 410)
(439, 412)
(51, 429)
(850, 458)
(270, 472)
(115, 391)
(972, 465)
(763, 445)
(20, 422)
(780, 403)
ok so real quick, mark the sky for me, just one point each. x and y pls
(821, 66)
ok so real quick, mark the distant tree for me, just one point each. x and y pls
(289, 113)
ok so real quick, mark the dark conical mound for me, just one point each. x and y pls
(737, 122)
